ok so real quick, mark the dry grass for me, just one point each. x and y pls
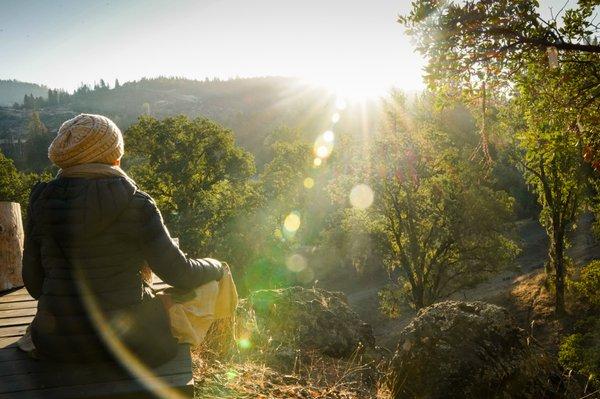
(531, 302)
(310, 375)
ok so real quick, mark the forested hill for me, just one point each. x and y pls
(253, 108)
(13, 91)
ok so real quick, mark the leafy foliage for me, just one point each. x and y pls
(439, 226)
(277, 256)
(14, 185)
(472, 40)
(197, 175)
(505, 49)
(482, 47)
(581, 351)
(586, 287)
(553, 162)
(11, 181)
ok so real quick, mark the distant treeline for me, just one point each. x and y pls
(251, 107)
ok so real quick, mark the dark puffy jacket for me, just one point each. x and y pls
(85, 243)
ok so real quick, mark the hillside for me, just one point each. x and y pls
(13, 91)
(253, 108)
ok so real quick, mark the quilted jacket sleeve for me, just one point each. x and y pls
(167, 260)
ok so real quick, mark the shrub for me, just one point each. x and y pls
(581, 351)
(588, 285)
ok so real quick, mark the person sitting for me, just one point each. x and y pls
(89, 231)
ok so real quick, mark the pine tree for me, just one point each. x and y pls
(52, 97)
(28, 101)
(36, 147)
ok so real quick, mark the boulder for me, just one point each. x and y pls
(298, 318)
(466, 350)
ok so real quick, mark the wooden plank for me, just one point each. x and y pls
(75, 374)
(183, 383)
(15, 321)
(30, 378)
(7, 343)
(15, 298)
(28, 375)
(17, 291)
(13, 331)
(5, 314)
(18, 305)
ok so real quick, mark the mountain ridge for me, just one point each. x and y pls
(252, 108)
(13, 90)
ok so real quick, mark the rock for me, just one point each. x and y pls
(466, 350)
(295, 318)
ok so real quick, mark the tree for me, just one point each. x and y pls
(62, 97)
(117, 84)
(28, 101)
(580, 351)
(553, 164)
(52, 97)
(14, 185)
(36, 146)
(463, 39)
(197, 175)
(441, 226)
(273, 252)
(11, 182)
(479, 47)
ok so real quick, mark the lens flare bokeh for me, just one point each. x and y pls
(291, 224)
(361, 196)
(296, 263)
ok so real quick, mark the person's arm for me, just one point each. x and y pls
(32, 271)
(167, 260)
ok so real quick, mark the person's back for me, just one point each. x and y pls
(88, 233)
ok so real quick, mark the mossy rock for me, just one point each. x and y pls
(467, 350)
(295, 318)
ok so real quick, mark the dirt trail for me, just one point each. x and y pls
(534, 244)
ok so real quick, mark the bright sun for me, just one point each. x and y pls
(353, 88)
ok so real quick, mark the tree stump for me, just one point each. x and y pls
(11, 245)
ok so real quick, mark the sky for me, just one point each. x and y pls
(348, 45)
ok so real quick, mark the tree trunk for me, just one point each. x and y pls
(557, 256)
(418, 297)
(11, 245)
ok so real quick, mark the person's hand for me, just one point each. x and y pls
(178, 295)
(226, 267)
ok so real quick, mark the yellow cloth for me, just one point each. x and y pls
(191, 320)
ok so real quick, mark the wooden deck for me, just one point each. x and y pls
(22, 377)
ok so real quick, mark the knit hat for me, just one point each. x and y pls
(86, 138)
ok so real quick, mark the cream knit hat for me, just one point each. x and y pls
(86, 138)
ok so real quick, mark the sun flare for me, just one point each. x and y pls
(351, 88)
